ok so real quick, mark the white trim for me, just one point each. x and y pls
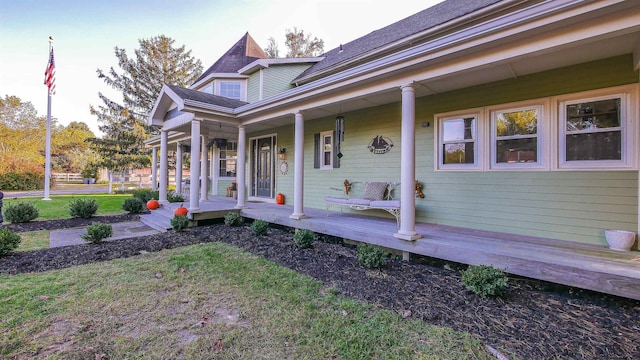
(541, 149)
(323, 150)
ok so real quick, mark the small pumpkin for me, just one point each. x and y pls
(180, 211)
(153, 204)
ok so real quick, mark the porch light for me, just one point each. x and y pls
(282, 155)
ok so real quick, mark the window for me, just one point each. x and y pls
(208, 89)
(592, 131)
(325, 154)
(231, 89)
(228, 159)
(516, 137)
(458, 139)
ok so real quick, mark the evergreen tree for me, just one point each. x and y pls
(124, 123)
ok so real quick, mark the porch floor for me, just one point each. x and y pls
(585, 266)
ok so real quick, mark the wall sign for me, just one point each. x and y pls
(380, 145)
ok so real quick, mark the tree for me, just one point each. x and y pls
(301, 45)
(124, 124)
(70, 152)
(22, 136)
(272, 49)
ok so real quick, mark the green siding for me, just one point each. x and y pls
(566, 205)
(253, 87)
(277, 78)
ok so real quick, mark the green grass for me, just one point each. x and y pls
(201, 302)
(34, 240)
(58, 206)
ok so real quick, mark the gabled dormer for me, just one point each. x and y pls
(223, 77)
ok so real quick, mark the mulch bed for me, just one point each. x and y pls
(536, 320)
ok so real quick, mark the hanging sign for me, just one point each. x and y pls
(380, 145)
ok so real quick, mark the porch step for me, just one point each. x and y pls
(159, 219)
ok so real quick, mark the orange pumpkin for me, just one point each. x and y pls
(181, 211)
(153, 204)
(280, 199)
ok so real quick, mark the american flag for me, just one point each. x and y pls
(50, 74)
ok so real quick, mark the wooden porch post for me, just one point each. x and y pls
(179, 168)
(407, 229)
(204, 173)
(164, 168)
(298, 175)
(194, 190)
(240, 163)
(154, 168)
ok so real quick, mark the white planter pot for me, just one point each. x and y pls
(620, 239)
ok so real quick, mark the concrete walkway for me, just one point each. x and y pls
(123, 230)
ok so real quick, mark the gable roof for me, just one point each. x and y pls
(202, 97)
(241, 54)
(378, 39)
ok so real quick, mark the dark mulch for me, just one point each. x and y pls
(536, 320)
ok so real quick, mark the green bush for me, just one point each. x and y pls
(96, 232)
(20, 212)
(259, 227)
(83, 207)
(145, 194)
(485, 280)
(304, 238)
(133, 205)
(371, 256)
(179, 223)
(233, 218)
(21, 180)
(8, 241)
(174, 197)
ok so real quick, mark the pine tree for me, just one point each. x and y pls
(124, 123)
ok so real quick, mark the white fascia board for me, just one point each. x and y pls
(172, 136)
(265, 63)
(191, 105)
(163, 103)
(177, 121)
(474, 37)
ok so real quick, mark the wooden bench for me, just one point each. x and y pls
(374, 195)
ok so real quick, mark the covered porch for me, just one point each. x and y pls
(584, 266)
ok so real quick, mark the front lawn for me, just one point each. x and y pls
(58, 206)
(201, 302)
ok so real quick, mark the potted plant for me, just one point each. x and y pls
(621, 240)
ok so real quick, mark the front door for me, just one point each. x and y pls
(263, 170)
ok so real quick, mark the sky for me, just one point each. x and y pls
(86, 33)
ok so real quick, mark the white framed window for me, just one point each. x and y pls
(458, 145)
(326, 150)
(208, 89)
(517, 137)
(594, 132)
(231, 89)
(228, 159)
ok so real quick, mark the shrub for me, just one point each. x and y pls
(304, 238)
(485, 280)
(174, 197)
(8, 241)
(179, 223)
(233, 218)
(259, 227)
(133, 205)
(20, 212)
(371, 256)
(83, 207)
(145, 194)
(96, 232)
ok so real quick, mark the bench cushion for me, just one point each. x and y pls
(375, 190)
(395, 204)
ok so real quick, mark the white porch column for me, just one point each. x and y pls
(204, 166)
(240, 173)
(179, 168)
(154, 168)
(164, 167)
(298, 175)
(194, 190)
(407, 229)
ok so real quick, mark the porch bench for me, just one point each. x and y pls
(375, 196)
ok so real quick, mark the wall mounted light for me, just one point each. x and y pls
(282, 155)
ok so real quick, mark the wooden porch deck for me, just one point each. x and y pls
(581, 265)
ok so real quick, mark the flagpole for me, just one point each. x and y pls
(47, 162)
